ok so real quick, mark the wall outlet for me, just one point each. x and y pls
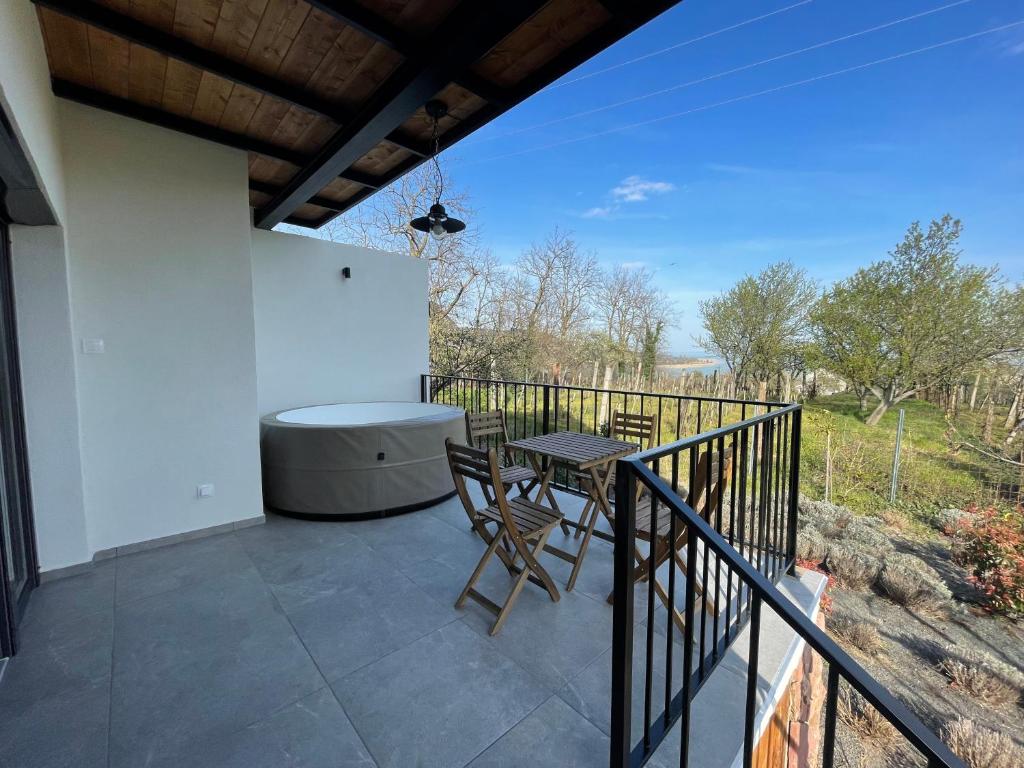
(204, 491)
(92, 346)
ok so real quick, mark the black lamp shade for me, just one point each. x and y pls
(437, 219)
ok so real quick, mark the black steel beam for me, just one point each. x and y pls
(127, 28)
(92, 98)
(573, 56)
(470, 32)
(318, 200)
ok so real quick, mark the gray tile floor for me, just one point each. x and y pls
(311, 644)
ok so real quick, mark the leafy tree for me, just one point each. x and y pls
(914, 319)
(759, 325)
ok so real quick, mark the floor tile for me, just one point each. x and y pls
(194, 662)
(439, 701)
(553, 641)
(347, 626)
(553, 736)
(286, 554)
(407, 538)
(73, 597)
(190, 563)
(66, 730)
(57, 658)
(311, 733)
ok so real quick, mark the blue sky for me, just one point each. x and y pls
(827, 174)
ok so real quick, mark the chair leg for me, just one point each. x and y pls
(530, 564)
(480, 566)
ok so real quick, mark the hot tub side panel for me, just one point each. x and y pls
(359, 471)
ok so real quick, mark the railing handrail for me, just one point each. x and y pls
(908, 724)
(629, 392)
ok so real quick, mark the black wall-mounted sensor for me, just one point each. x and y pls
(346, 272)
(380, 456)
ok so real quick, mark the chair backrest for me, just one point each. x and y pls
(634, 427)
(480, 426)
(482, 466)
(705, 498)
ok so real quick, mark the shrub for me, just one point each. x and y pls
(811, 546)
(853, 567)
(862, 635)
(914, 584)
(990, 545)
(947, 520)
(980, 747)
(980, 675)
(864, 720)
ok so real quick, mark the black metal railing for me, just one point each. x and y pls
(540, 408)
(732, 552)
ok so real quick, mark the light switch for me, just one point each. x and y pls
(92, 347)
(204, 491)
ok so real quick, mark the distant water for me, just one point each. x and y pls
(707, 370)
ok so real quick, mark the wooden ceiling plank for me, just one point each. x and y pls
(68, 49)
(181, 85)
(242, 105)
(236, 27)
(111, 60)
(281, 22)
(147, 71)
(273, 189)
(211, 99)
(471, 31)
(155, 13)
(196, 20)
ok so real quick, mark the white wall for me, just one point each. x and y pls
(158, 236)
(51, 404)
(322, 339)
(27, 97)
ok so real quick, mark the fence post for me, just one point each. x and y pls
(896, 459)
(794, 492)
(423, 388)
(622, 618)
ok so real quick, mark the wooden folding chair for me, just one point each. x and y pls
(631, 427)
(705, 501)
(522, 523)
(479, 429)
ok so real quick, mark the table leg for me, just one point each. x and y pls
(599, 490)
(545, 487)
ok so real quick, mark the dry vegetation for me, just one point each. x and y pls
(980, 747)
(981, 676)
(856, 633)
(864, 720)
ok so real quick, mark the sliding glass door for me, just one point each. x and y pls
(17, 546)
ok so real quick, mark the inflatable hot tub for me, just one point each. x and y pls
(352, 461)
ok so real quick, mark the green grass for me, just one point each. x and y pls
(932, 473)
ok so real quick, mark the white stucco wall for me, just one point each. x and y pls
(49, 393)
(27, 98)
(159, 252)
(323, 339)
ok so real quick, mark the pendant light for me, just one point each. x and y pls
(437, 222)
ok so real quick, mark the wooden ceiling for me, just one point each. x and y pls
(326, 96)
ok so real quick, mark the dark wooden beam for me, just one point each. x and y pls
(127, 28)
(91, 98)
(471, 31)
(573, 56)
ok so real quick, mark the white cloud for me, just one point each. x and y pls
(596, 212)
(635, 189)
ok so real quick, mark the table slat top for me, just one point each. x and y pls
(575, 449)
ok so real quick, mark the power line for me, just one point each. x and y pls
(748, 96)
(683, 44)
(717, 75)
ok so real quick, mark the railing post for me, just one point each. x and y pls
(622, 616)
(545, 419)
(423, 388)
(794, 493)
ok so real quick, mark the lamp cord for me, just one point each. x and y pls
(437, 166)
